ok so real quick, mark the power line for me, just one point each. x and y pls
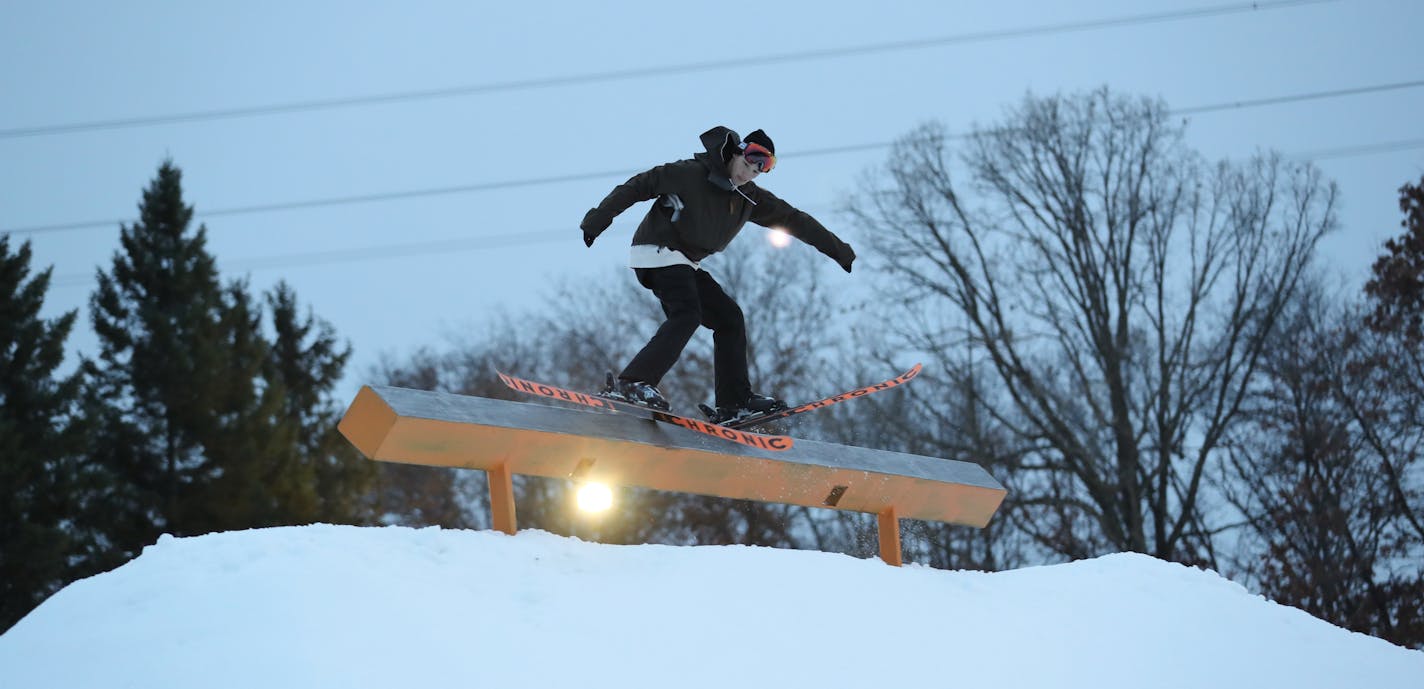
(586, 176)
(645, 72)
(504, 241)
(313, 258)
(1296, 98)
(401, 250)
(343, 200)
(1360, 150)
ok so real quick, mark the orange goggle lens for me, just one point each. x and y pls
(758, 157)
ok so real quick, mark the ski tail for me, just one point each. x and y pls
(760, 419)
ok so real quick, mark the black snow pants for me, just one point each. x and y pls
(691, 297)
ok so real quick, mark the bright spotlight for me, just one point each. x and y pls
(778, 239)
(594, 497)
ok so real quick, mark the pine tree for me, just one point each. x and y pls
(250, 446)
(306, 361)
(205, 424)
(39, 441)
(165, 370)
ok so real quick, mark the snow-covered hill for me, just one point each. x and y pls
(329, 606)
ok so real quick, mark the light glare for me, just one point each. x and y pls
(779, 239)
(594, 497)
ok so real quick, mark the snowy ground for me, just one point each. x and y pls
(328, 606)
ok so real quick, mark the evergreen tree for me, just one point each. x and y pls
(159, 317)
(251, 447)
(306, 362)
(205, 424)
(39, 441)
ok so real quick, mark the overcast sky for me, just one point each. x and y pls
(420, 115)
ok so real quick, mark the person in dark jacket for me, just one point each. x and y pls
(702, 203)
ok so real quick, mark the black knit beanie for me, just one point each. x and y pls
(760, 137)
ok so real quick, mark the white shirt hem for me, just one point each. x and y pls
(654, 256)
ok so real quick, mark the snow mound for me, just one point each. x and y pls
(333, 606)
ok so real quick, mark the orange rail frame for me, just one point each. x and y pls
(507, 438)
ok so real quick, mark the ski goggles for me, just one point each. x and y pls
(758, 157)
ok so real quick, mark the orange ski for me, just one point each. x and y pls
(758, 440)
(818, 404)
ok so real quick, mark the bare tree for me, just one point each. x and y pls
(1119, 289)
(1386, 389)
(1324, 529)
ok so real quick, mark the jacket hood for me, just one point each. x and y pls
(721, 144)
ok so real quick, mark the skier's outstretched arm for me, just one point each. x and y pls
(771, 211)
(640, 187)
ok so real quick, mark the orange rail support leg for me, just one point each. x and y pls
(889, 524)
(501, 489)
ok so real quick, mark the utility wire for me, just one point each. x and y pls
(1299, 97)
(565, 235)
(586, 176)
(343, 200)
(1361, 150)
(645, 72)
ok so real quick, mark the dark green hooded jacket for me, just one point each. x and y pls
(712, 211)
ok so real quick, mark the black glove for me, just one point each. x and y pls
(846, 258)
(588, 238)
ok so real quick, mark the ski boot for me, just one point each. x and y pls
(754, 405)
(634, 392)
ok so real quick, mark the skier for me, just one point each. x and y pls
(702, 203)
